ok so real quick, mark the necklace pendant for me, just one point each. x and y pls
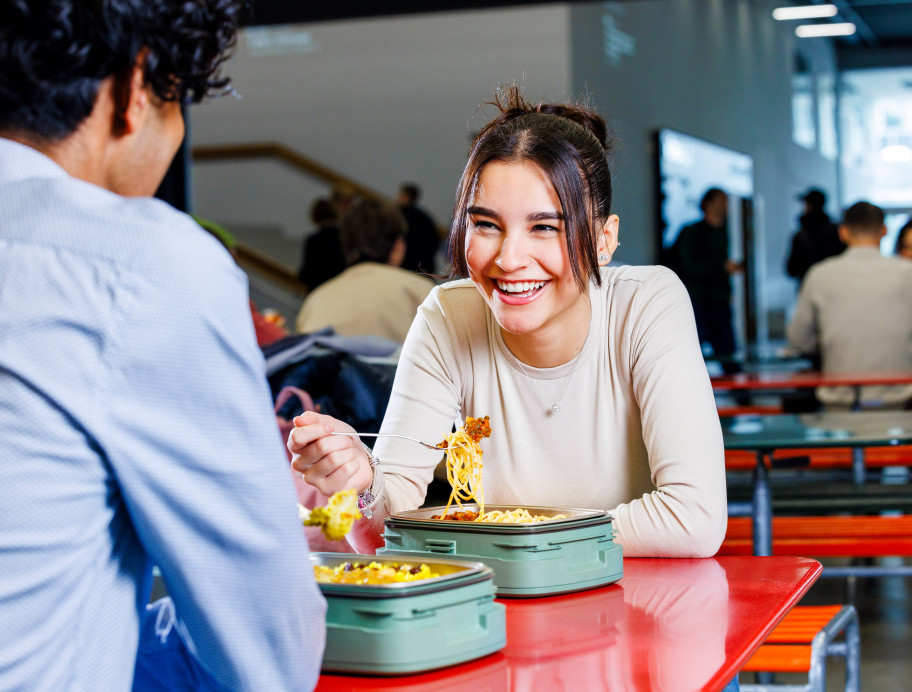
(556, 408)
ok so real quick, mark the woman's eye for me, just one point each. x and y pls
(545, 228)
(482, 223)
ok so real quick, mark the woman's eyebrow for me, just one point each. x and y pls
(546, 215)
(482, 211)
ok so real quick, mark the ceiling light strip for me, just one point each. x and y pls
(818, 30)
(804, 12)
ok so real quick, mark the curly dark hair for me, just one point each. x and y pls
(572, 145)
(55, 53)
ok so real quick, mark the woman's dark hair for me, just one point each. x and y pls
(369, 230)
(570, 144)
(54, 54)
(903, 232)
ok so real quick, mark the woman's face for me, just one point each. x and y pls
(516, 251)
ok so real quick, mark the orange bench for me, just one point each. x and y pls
(801, 643)
(825, 458)
(836, 536)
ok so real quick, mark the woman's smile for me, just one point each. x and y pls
(519, 292)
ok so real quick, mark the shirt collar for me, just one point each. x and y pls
(863, 249)
(19, 162)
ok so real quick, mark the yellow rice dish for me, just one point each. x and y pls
(372, 573)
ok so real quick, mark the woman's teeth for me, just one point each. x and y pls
(520, 286)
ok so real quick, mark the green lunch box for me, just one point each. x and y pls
(408, 627)
(536, 559)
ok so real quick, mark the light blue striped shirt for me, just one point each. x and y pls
(136, 428)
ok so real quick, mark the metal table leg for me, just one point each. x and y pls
(763, 507)
(858, 465)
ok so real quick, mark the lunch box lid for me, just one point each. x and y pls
(575, 518)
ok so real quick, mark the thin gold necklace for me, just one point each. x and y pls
(556, 406)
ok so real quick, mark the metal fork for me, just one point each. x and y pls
(404, 437)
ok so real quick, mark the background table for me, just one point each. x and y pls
(789, 381)
(668, 624)
(786, 380)
(765, 434)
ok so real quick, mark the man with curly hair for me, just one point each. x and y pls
(137, 423)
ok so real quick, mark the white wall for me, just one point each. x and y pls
(382, 101)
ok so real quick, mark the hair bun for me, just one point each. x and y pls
(512, 104)
(591, 120)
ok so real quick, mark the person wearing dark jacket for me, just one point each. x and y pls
(422, 239)
(322, 259)
(704, 266)
(816, 239)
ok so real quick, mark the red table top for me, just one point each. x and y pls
(802, 379)
(669, 624)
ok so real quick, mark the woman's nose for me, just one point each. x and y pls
(513, 255)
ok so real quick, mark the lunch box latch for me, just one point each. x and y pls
(435, 545)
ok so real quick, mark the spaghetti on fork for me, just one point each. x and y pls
(463, 461)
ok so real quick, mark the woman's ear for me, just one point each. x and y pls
(608, 239)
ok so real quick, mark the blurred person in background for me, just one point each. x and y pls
(138, 427)
(322, 258)
(904, 241)
(374, 295)
(702, 261)
(421, 238)
(816, 238)
(853, 310)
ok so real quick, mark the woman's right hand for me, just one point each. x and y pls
(329, 463)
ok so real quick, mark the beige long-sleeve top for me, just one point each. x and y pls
(854, 309)
(637, 432)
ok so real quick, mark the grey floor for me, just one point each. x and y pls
(885, 614)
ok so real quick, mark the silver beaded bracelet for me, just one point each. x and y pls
(366, 498)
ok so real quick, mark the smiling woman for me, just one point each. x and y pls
(592, 375)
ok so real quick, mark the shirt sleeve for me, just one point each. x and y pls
(801, 331)
(686, 515)
(198, 462)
